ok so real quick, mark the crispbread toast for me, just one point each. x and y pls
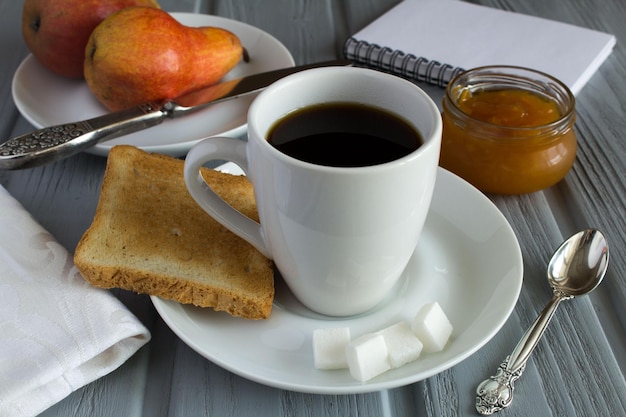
(149, 236)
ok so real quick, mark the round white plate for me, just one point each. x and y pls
(468, 259)
(46, 99)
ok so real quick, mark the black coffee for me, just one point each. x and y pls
(344, 135)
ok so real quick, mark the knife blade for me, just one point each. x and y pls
(53, 143)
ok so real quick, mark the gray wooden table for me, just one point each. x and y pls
(578, 368)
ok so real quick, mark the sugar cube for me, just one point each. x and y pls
(432, 327)
(367, 356)
(329, 347)
(403, 345)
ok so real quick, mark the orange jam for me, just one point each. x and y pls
(506, 131)
(513, 108)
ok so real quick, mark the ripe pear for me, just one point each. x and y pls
(56, 31)
(143, 54)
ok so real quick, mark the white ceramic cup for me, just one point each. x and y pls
(340, 237)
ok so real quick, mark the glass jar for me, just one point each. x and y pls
(508, 130)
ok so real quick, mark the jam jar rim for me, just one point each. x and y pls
(566, 100)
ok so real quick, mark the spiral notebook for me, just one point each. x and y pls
(434, 40)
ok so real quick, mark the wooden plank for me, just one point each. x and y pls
(13, 51)
(575, 371)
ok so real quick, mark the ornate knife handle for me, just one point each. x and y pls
(57, 142)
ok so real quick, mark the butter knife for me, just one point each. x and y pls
(61, 141)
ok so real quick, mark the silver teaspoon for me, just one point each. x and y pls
(576, 268)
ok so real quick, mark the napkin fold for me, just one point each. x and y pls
(57, 332)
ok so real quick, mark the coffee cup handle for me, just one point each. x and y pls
(229, 149)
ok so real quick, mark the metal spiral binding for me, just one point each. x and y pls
(399, 63)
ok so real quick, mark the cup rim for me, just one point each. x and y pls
(428, 142)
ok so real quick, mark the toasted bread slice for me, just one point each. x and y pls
(149, 236)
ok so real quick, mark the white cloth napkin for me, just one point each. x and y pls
(57, 333)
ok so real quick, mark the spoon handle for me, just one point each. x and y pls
(496, 392)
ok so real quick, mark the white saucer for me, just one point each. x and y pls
(46, 99)
(468, 259)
